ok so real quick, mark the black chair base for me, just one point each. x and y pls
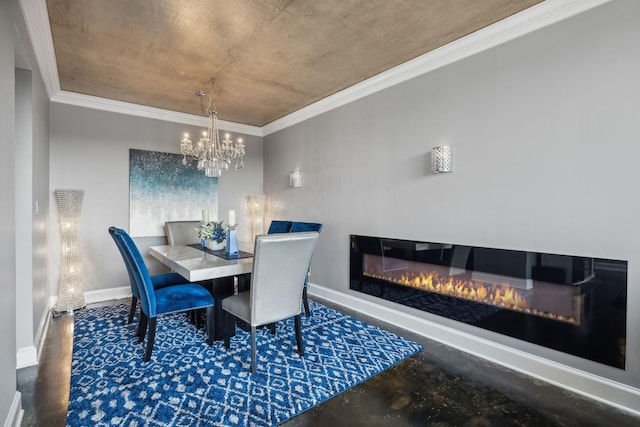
(305, 302)
(132, 310)
(149, 324)
(220, 289)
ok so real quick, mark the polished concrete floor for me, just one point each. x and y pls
(439, 386)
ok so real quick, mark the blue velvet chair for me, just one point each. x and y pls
(278, 226)
(298, 227)
(154, 302)
(159, 280)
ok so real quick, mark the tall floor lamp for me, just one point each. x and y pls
(70, 292)
(256, 208)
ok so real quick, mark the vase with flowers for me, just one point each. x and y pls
(212, 234)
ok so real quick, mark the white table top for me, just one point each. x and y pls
(196, 265)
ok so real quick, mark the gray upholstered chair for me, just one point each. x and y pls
(182, 232)
(280, 264)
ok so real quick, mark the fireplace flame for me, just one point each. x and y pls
(503, 295)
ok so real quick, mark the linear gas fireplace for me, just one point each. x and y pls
(573, 304)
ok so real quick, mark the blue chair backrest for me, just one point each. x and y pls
(132, 280)
(278, 226)
(140, 273)
(298, 227)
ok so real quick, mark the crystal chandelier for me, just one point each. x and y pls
(212, 154)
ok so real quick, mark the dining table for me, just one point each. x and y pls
(214, 269)
(198, 264)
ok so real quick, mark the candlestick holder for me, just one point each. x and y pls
(232, 241)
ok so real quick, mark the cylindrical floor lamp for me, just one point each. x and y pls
(256, 208)
(70, 293)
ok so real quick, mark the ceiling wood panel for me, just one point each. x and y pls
(270, 57)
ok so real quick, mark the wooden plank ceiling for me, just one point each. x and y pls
(269, 57)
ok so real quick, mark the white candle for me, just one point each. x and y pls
(232, 218)
(205, 215)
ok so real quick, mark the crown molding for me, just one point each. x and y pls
(36, 18)
(541, 15)
(104, 104)
(536, 17)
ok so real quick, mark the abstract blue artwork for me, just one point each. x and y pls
(162, 189)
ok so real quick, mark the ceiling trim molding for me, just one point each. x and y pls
(104, 104)
(541, 15)
(538, 16)
(36, 18)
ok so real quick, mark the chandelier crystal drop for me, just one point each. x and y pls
(213, 155)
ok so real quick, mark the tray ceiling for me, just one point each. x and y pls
(269, 58)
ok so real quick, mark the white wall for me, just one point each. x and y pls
(546, 133)
(90, 151)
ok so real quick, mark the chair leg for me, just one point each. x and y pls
(253, 349)
(305, 301)
(272, 328)
(142, 326)
(150, 339)
(132, 310)
(299, 335)
(198, 313)
(228, 320)
(210, 325)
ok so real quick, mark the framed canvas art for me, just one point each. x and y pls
(162, 189)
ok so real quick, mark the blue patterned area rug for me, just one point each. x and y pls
(190, 383)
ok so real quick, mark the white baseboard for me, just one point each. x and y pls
(592, 386)
(14, 417)
(29, 356)
(91, 297)
(26, 356)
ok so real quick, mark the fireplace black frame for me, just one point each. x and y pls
(598, 334)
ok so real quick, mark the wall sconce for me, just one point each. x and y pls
(295, 179)
(441, 159)
(70, 293)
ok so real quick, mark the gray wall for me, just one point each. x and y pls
(32, 187)
(7, 214)
(24, 179)
(25, 331)
(546, 133)
(90, 151)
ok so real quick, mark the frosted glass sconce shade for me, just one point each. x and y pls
(441, 159)
(295, 179)
(70, 293)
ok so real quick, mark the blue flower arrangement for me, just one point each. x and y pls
(212, 230)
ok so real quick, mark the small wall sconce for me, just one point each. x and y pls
(295, 179)
(441, 159)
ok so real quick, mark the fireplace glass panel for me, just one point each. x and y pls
(568, 303)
